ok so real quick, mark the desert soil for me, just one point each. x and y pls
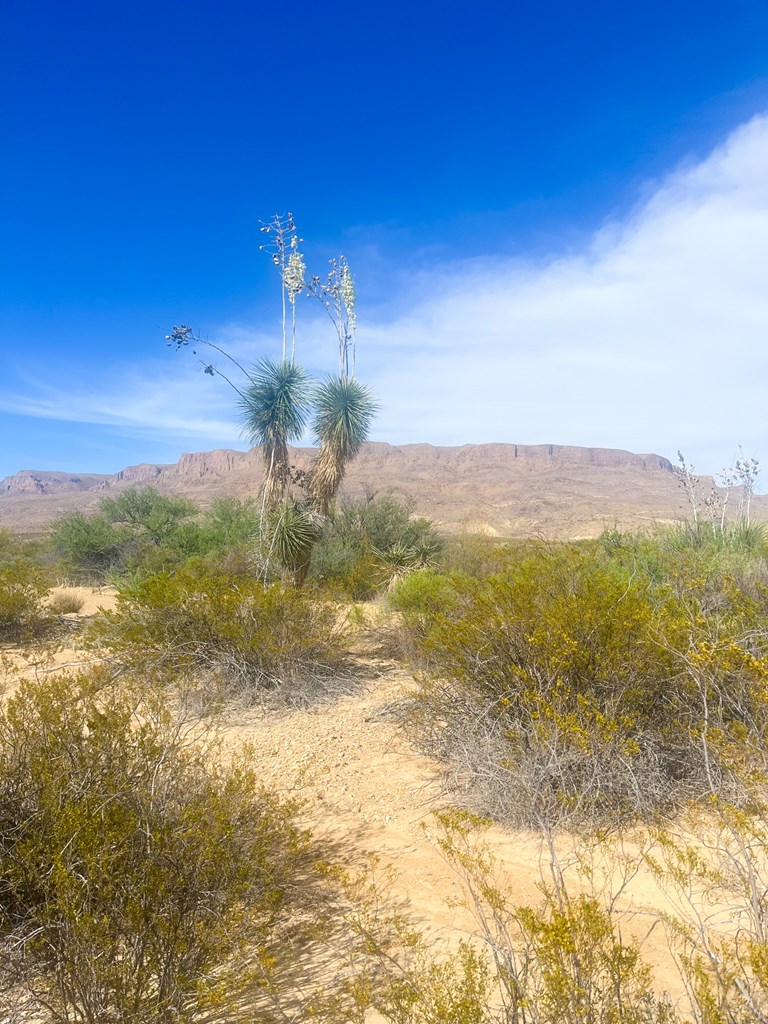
(363, 784)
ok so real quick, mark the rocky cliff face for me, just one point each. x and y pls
(503, 489)
(470, 460)
(28, 482)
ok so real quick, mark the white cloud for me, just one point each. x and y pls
(183, 406)
(652, 338)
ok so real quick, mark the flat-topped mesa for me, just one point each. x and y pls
(501, 454)
(145, 474)
(192, 468)
(504, 489)
(220, 462)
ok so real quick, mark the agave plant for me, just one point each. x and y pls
(344, 410)
(400, 559)
(274, 407)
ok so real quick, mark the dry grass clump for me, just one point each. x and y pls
(66, 602)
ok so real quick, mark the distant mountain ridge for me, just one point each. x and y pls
(28, 481)
(502, 489)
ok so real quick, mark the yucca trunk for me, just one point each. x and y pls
(327, 475)
(276, 474)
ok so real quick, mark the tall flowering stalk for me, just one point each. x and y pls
(283, 247)
(338, 298)
(293, 285)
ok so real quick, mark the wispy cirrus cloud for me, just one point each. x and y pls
(182, 407)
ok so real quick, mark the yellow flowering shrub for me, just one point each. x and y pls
(592, 688)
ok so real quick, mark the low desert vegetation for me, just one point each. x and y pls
(366, 544)
(23, 585)
(67, 601)
(230, 637)
(569, 957)
(354, 549)
(139, 880)
(606, 681)
(141, 531)
(581, 687)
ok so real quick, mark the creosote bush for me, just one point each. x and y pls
(719, 860)
(560, 959)
(140, 882)
(141, 531)
(23, 586)
(577, 686)
(197, 625)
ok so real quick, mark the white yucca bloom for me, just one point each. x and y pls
(293, 273)
(348, 296)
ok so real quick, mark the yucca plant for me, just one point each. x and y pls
(274, 407)
(344, 411)
(277, 397)
(293, 530)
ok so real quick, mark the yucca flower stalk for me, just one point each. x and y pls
(344, 411)
(293, 285)
(283, 248)
(338, 298)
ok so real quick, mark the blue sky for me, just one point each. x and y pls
(556, 214)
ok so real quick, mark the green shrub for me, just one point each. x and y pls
(363, 545)
(8, 546)
(147, 512)
(577, 687)
(424, 593)
(127, 529)
(135, 873)
(22, 588)
(30, 548)
(475, 554)
(196, 623)
(91, 546)
(141, 532)
(418, 598)
(230, 523)
(346, 569)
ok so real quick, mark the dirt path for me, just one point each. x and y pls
(364, 783)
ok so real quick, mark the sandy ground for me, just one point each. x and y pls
(58, 653)
(363, 783)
